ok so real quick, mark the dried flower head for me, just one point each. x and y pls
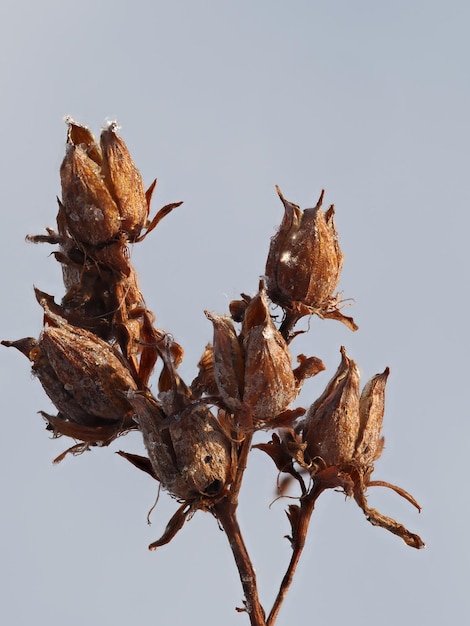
(269, 383)
(253, 370)
(124, 181)
(85, 378)
(102, 189)
(99, 347)
(190, 454)
(92, 214)
(331, 425)
(304, 263)
(342, 429)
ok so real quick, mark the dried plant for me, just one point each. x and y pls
(99, 348)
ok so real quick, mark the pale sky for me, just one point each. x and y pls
(222, 101)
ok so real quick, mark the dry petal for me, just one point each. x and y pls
(79, 135)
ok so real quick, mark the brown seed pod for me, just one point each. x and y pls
(269, 382)
(331, 425)
(89, 369)
(124, 182)
(304, 262)
(342, 431)
(369, 442)
(84, 377)
(227, 361)
(253, 371)
(191, 455)
(92, 214)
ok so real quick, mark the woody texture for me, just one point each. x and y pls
(109, 369)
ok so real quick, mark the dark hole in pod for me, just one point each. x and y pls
(214, 488)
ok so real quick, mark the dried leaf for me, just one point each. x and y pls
(174, 526)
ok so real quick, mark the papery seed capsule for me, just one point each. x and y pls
(191, 456)
(331, 425)
(269, 382)
(124, 181)
(369, 443)
(89, 370)
(92, 214)
(72, 361)
(304, 262)
(228, 361)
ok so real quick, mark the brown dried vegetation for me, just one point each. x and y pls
(99, 348)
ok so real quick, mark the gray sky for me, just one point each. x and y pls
(221, 101)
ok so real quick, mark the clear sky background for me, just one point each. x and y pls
(221, 101)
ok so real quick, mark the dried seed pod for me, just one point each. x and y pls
(331, 425)
(304, 262)
(188, 449)
(269, 382)
(191, 455)
(91, 212)
(124, 181)
(59, 394)
(253, 371)
(84, 377)
(228, 361)
(90, 370)
(342, 430)
(369, 442)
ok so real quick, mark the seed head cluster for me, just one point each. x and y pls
(100, 347)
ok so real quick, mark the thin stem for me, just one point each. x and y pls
(300, 520)
(297, 548)
(244, 451)
(226, 514)
(287, 325)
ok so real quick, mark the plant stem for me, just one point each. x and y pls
(227, 516)
(226, 513)
(297, 548)
(300, 523)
